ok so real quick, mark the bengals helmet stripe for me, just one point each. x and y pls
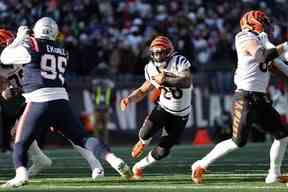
(254, 20)
(6, 37)
(161, 42)
(161, 49)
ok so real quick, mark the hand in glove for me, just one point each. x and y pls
(22, 35)
(11, 92)
(265, 40)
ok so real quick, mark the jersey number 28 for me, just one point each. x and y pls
(53, 67)
(174, 93)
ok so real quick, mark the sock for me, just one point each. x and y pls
(218, 151)
(89, 156)
(146, 161)
(145, 142)
(113, 160)
(277, 152)
(35, 152)
(22, 173)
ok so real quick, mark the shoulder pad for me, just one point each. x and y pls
(245, 35)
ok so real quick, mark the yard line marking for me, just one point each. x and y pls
(163, 187)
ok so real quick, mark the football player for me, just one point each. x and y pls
(171, 73)
(251, 104)
(11, 93)
(44, 63)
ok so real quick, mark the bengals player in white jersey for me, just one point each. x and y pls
(251, 104)
(169, 72)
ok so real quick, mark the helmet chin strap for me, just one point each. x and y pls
(160, 64)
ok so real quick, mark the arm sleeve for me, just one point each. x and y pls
(281, 66)
(15, 55)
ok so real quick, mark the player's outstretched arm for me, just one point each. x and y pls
(16, 53)
(136, 95)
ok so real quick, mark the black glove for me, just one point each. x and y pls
(11, 92)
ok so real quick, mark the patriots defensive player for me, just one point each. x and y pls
(44, 63)
(12, 89)
(11, 94)
(251, 104)
(170, 72)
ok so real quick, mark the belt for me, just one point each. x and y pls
(251, 93)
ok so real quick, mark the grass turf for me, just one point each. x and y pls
(239, 171)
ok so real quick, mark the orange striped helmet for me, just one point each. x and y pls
(6, 37)
(254, 20)
(161, 48)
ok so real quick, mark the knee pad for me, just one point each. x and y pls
(239, 142)
(160, 153)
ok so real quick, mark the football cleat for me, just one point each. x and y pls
(197, 173)
(137, 173)
(271, 178)
(138, 149)
(96, 173)
(124, 170)
(20, 179)
(40, 163)
(15, 182)
(283, 179)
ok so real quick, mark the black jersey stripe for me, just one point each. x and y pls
(177, 61)
(157, 68)
(183, 60)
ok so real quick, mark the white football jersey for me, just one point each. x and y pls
(176, 101)
(250, 75)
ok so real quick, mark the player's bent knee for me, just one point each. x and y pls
(281, 135)
(282, 139)
(160, 152)
(144, 132)
(239, 142)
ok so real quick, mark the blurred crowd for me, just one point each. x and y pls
(115, 33)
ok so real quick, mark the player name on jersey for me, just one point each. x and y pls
(56, 50)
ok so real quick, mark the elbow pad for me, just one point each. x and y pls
(271, 54)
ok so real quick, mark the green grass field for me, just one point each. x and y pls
(240, 171)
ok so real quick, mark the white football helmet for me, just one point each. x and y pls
(45, 28)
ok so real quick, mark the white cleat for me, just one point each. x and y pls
(96, 173)
(20, 179)
(40, 163)
(274, 178)
(198, 173)
(271, 178)
(15, 182)
(124, 170)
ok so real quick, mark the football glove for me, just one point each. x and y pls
(11, 92)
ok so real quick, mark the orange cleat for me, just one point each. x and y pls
(283, 179)
(138, 149)
(197, 174)
(137, 173)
